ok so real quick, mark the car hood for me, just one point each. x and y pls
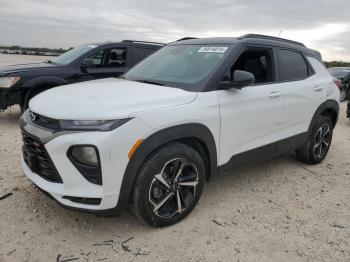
(109, 98)
(4, 70)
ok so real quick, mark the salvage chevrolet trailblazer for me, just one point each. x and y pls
(151, 139)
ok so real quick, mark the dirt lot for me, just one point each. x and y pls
(276, 211)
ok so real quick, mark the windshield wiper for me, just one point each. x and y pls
(50, 62)
(153, 82)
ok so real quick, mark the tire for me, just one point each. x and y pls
(319, 142)
(343, 94)
(157, 192)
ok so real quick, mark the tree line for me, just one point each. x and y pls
(337, 64)
(35, 49)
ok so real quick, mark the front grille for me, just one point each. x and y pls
(38, 160)
(43, 121)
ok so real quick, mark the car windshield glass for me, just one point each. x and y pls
(73, 54)
(183, 66)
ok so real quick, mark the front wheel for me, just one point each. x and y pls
(168, 185)
(319, 142)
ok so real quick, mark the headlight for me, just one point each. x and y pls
(92, 125)
(7, 82)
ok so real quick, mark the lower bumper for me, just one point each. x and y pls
(58, 193)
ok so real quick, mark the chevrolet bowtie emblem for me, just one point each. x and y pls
(32, 116)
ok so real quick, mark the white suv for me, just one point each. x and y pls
(192, 110)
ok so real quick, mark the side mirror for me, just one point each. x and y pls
(242, 79)
(87, 63)
(239, 80)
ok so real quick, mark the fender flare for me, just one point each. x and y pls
(36, 84)
(327, 105)
(156, 140)
(45, 80)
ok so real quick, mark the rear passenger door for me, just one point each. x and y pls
(304, 91)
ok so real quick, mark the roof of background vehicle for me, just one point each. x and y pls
(136, 42)
(339, 68)
(252, 39)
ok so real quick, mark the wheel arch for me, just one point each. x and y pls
(194, 135)
(328, 108)
(42, 81)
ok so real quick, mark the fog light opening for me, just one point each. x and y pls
(87, 160)
(85, 155)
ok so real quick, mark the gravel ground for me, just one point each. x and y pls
(279, 210)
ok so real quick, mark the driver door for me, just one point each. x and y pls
(251, 117)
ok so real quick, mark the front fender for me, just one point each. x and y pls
(156, 140)
(44, 81)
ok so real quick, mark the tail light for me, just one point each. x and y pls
(337, 82)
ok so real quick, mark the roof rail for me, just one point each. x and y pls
(267, 37)
(186, 38)
(142, 42)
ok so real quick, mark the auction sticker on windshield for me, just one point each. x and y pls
(213, 49)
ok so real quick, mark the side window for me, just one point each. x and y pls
(292, 65)
(116, 57)
(141, 53)
(96, 60)
(259, 62)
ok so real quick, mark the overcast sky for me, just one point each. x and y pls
(320, 24)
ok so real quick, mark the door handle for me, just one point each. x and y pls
(274, 94)
(318, 88)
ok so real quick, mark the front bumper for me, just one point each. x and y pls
(9, 97)
(113, 148)
(58, 192)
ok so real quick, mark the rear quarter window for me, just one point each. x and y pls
(292, 65)
(141, 53)
(319, 68)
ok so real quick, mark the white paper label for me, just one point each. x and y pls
(213, 49)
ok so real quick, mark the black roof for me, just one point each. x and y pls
(136, 42)
(248, 39)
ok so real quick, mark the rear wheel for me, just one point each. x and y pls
(319, 142)
(168, 185)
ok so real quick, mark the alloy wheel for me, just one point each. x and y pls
(173, 190)
(322, 141)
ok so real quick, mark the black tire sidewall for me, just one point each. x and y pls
(154, 166)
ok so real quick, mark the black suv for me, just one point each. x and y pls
(342, 74)
(20, 83)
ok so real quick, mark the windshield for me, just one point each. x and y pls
(182, 66)
(73, 54)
